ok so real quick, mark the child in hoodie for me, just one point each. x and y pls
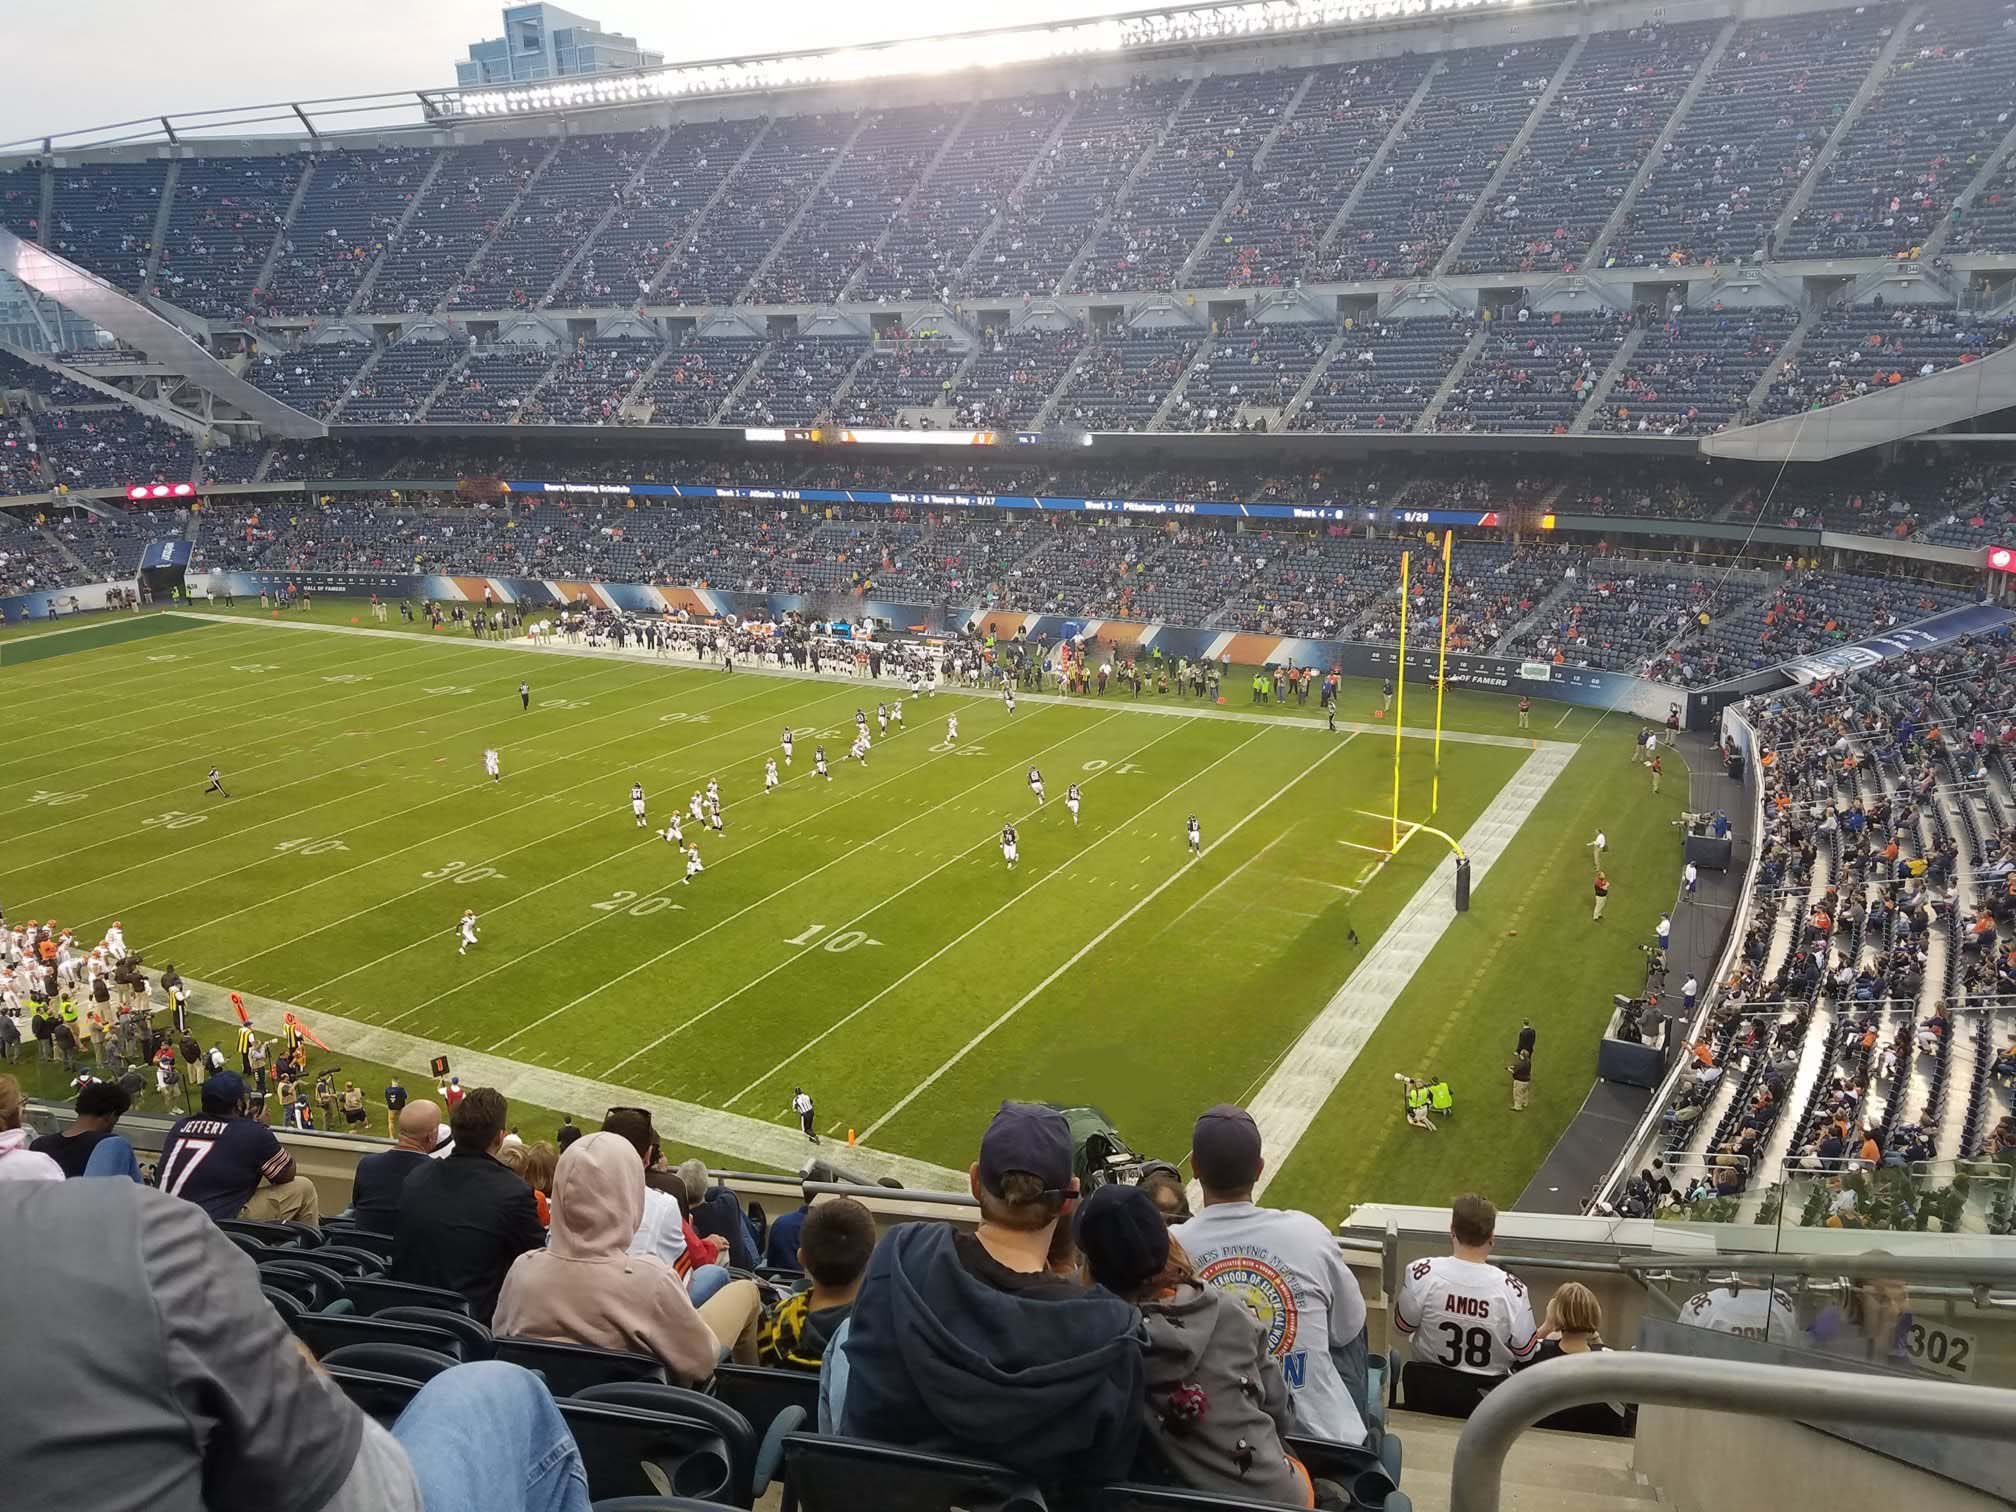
(1216, 1408)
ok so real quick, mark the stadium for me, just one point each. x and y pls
(1390, 618)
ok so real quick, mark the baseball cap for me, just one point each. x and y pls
(226, 1087)
(1030, 1138)
(1122, 1236)
(1225, 1148)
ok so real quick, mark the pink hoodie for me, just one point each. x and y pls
(584, 1288)
(19, 1163)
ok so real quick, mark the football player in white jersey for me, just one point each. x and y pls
(694, 810)
(693, 866)
(492, 765)
(673, 832)
(896, 714)
(1036, 785)
(859, 750)
(769, 775)
(1071, 802)
(1750, 1312)
(1459, 1309)
(787, 745)
(1196, 835)
(714, 791)
(819, 763)
(1009, 850)
(952, 730)
(881, 719)
(714, 816)
(637, 803)
(467, 929)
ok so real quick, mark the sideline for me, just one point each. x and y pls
(1317, 1062)
(747, 669)
(778, 1146)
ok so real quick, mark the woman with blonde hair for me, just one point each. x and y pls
(1574, 1324)
(540, 1162)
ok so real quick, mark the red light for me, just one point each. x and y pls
(183, 490)
(160, 490)
(137, 491)
(2002, 559)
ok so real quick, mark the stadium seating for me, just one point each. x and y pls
(795, 381)
(226, 215)
(471, 189)
(1730, 168)
(111, 446)
(717, 262)
(1044, 228)
(1257, 365)
(590, 382)
(1385, 374)
(1013, 377)
(1581, 158)
(1853, 351)
(1917, 142)
(850, 210)
(585, 177)
(1693, 372)
(931, 238)
(1207, 151)
(1474, 108)
(692, 382)
(1124, 378)
(109, 545)
(397, 386)
(494, 386)
(314, 379)
(352, 204)
(16, 373)
(1278, 225)
(652, 214)
(1533, 375)
(901, 374)
(102, 215)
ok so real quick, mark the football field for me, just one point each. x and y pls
(861, 937)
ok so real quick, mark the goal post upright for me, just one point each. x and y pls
(1441, 675)
(1400, 696)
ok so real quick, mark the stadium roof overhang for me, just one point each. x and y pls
(1138, 36)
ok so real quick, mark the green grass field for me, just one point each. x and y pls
(861, 937)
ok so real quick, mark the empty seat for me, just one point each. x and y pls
(628, 1451)
(382, 1397)
(570, 1367)
(825, 1474)
(407, 1361)
(370, 1294)
(322, 1332)
(476, 1341)
(750, 1468)
(763, 1395)
(316, 1285)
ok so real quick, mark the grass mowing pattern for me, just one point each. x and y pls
(355, 765)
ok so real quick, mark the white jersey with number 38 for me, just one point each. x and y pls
(1465, 1315)
(1755, 1312)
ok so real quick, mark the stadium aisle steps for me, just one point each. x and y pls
(1545, 1472)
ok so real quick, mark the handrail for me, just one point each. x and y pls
(1477, 1471)
(1984, 1270)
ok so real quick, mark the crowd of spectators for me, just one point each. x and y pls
(1854, 351)
(352, 204)
(464, 204)
(1693, 371)
(1535, 372)
(585, 177)
(225, 219)
(112, 446)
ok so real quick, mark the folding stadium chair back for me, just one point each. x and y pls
(570, 1367)
(476, 1341)
(275, 1235)
(352, 1237)
(824, 1474)
(762, 1395)
(382, 1397)
(406, 1360)
(371, 1294)
(284, 1303)
(744, 1484)
(322, 1332)
(316, 1285)
(630, 1452)
(345, 1262)
(1366, 1473)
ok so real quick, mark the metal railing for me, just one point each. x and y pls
(1477, 1472)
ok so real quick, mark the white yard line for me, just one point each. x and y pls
(849, 854)
(975, 928)
(1092, 944)
(412, 808)
(1177, 711)
(1318, 1060)
(603, 812)
(793, 960)
(781, 1146)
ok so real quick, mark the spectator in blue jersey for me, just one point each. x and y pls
(232, 1166)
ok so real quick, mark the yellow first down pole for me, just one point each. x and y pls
(1399, 697)
(1441, 673)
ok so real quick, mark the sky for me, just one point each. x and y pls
(86, 63)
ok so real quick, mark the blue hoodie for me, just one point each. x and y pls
(940, 1360)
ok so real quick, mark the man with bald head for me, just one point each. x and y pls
(374, 1202)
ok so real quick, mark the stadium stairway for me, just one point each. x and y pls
(1545, 1472)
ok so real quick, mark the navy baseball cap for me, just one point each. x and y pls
(1122, 1235)
(226, 1087)
(1032, 1139)
(1225, 1148)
